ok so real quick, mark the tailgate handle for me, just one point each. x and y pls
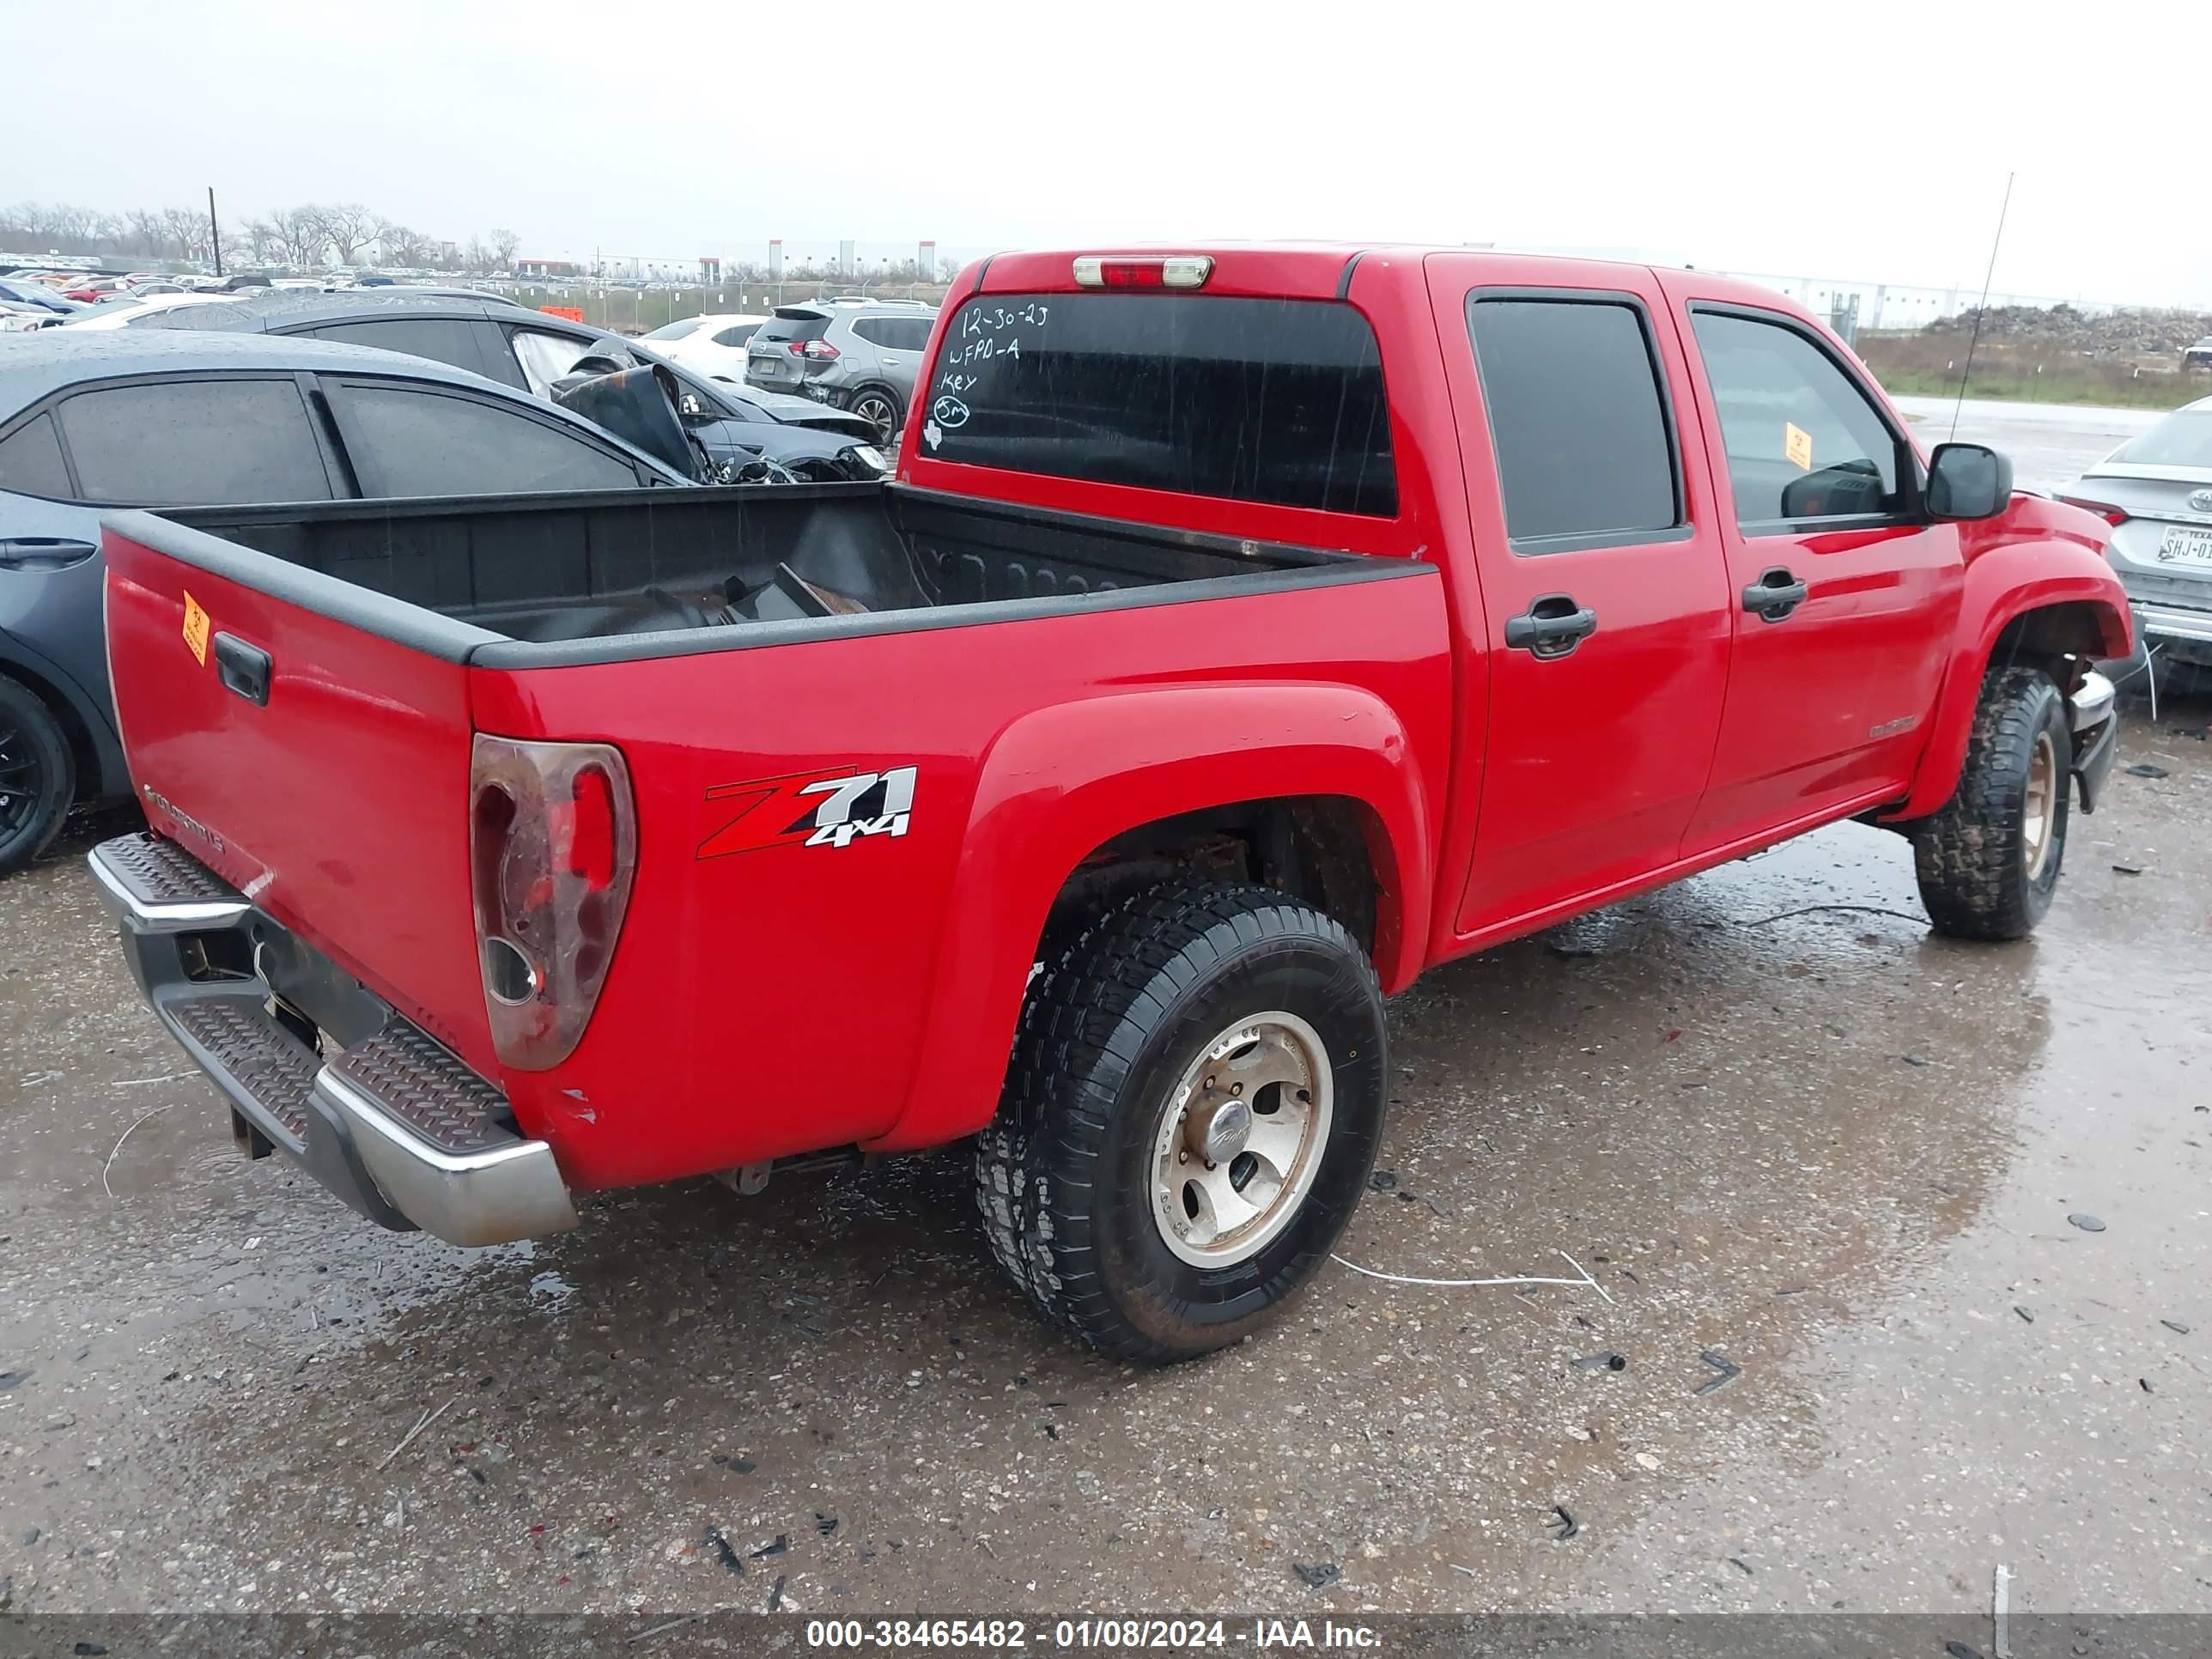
(244, 668)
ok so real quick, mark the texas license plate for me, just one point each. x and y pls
(2182, 546)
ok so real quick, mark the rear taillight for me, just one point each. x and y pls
(821, 350)
(2114, 516)
(552, 849)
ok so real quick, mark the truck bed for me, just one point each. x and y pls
(578, 578)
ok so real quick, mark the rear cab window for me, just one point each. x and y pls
(1277, 402)
(1578, 419)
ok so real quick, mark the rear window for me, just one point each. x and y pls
(1581, 434)
(197, 442)
(2183, 439)
(793, 326)
(31, 460)
(1278, 402)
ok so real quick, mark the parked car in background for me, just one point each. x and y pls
(29, 291)
(89, 421)
(94, 288)
(135, 311)
(17, 317)
(2198, 356)
(530, 351)
(860, 355)
(2155, 491)
(713, 345)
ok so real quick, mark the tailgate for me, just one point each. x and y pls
(308, 740)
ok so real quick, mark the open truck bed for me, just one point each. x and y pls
(590, 576)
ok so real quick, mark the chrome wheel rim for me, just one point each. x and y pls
(1240, 1139)
(2039, 807)
(23, 781)
(877, 412)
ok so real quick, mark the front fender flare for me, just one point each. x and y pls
(2001, 586)
(1059, 783)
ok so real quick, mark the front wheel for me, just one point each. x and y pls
(1192, 1111)
(1989, 861)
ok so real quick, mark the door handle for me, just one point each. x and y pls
(243, 669)
(44, 552)
(1775, 594)
(1553, 627)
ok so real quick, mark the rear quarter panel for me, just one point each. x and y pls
(769, 1000)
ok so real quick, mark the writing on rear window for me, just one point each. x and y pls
(1278, 402)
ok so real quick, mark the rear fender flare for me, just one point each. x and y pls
(1059, 783)
(2001, 586)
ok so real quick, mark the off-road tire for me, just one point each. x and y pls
(1063, 1174)
(1970, 855)
(38, 773)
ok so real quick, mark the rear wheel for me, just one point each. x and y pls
(38, 775)
(1989, 861)
(879, 406)
(1192, 1111)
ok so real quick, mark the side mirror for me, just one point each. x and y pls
(1968, 481)
(690, 406)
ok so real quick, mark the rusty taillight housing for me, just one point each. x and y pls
(552, 852)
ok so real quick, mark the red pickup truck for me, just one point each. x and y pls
(1243, 632)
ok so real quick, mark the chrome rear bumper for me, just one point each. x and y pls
(392, 1122)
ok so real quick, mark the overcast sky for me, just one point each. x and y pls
(1866, 139)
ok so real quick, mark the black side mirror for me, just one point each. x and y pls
(1968, 481)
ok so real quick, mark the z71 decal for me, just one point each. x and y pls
(808, 809)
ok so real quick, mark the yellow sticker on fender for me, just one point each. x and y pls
(195, 629)
(1797, 444)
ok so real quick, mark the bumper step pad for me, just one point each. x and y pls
(157, 872)
(273, 1069)
(418, 1083)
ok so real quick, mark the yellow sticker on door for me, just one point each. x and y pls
(195, 629)
(1797, 444)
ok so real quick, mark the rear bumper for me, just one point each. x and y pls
(2170, 625)
(374, 1110)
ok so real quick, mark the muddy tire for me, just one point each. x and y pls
(38, 775)
(1989, 861)
(1191, 1114)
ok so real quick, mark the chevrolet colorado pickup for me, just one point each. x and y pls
(1242, 633)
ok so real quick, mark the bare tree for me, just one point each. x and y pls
(504, 245)
(477, 255)
(297, 235)
(348, 227)
(187, 231)
(395, 245)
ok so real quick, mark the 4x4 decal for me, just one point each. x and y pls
(807, 809)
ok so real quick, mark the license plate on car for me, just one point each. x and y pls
(2182, 546)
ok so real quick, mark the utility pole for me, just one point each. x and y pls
(214, 232)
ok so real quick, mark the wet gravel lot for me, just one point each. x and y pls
(1779, 1122)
